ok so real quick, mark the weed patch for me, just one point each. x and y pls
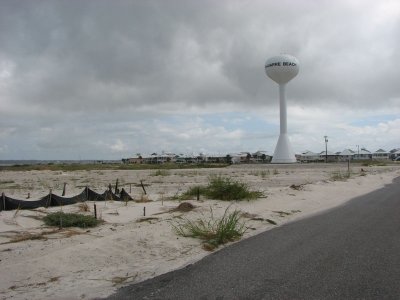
(373, 163)
(222, 188)
(62, 219)
(84, 207)
(340, 176)
(160, 173)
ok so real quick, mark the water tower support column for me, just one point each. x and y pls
(282, 106)
(283, 153)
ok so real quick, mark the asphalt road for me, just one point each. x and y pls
(350, 252)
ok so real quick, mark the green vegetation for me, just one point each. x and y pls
(89, 167)
(193, 192)
(222, 188)
(160, 173)
(6, 181)
(212, 231)
(262, 174)
(367, 163)
(61, 219)
(340, 176)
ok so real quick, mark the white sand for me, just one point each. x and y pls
(83, 264)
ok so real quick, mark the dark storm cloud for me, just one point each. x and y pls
(74, 55)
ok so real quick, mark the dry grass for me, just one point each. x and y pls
(26, 236)
(296, 187)
(184, 207)
(44, 235)
(83, 207)
(143, 199)
(148, 219)
(282, 213)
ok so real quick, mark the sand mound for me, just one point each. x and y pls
(184, 207)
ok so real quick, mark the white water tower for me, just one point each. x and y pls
(282, 69)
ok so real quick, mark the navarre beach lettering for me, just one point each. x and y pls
(278, 64)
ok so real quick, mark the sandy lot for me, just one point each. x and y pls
(128, 247)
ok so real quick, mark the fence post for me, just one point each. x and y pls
(4, 200)
(348, 166)
(144, 190)
(49, 199)
(63, 193)
(116, 187)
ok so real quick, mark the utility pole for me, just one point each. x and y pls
(326, 148)
(358, 151)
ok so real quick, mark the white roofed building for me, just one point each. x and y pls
(330, 156)
(381, 155)
(362, 154)
(309, 156)
(347, 154)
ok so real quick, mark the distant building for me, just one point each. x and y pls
(346, 154)
(309, 156)
(381, 155)
(261, 157)
(363, 154)
(330, 156)
(395, 154)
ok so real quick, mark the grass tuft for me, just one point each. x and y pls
(192, 192)
(222, 188)
(62, 219)
(340, 176)
(160, 172)
(84, 207)
(212, 231)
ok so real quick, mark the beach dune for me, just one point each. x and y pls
(38, 262)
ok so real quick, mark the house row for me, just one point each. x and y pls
(234, 158)
(261, 157)
(348, 154)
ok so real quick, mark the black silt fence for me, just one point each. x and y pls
(8, 203)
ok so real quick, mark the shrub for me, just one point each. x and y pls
(61, 219)
(222, 188)
(213, 232)
(227, 189)
(193, 192)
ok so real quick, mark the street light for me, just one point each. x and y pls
(326, 148)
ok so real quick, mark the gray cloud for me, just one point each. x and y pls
(91, 62)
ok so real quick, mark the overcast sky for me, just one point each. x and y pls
(109, 79)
